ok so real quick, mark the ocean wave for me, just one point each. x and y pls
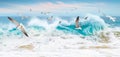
(92, 26)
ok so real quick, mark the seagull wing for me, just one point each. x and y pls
(111, 18)
(18, 24)
(23, 30)
(14, 21)
(86, 17)
(77, 22)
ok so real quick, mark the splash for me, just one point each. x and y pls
(92, 25)
(36, 26)
(59, 37)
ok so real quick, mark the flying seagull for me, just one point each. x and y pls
(77, 23)
(18, 26)
(30, 10)
(110, 17)
(86, 17)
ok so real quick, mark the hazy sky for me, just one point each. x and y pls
(59, 7)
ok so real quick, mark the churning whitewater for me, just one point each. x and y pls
(96, 38)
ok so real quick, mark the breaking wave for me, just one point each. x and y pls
(94, 27)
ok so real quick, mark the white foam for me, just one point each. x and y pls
(54, 43)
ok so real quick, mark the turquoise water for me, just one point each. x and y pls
(89, 27)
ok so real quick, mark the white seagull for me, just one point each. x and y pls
(111, 18)
(77, 23)
(20, 26)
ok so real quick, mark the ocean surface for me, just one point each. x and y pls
(58, 34)
(92, 25)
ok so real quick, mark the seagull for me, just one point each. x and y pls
(59, 22)
(20, 26)
(111, 18)
(50, 18)
(77, 23)
(86, 17)
(30, 10)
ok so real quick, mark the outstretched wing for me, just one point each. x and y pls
(23, 30)
(14, 21)
(77, 22)
(18, 24)
(86, 17)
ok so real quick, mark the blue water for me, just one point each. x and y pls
(89, 27)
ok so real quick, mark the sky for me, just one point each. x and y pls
(59, 7)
